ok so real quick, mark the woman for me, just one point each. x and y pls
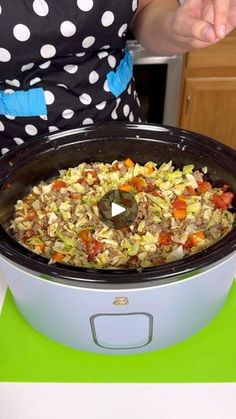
(64, 63)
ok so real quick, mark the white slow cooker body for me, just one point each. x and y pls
(148, 318)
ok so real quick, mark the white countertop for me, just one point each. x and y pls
(117, 401)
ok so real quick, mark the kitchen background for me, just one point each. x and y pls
(196, 91)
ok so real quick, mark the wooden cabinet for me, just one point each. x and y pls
(209, 91)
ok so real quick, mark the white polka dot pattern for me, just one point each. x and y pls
(93, 77)
(80, 54)
(85, 5)
(12, 117)
(21, 32)
(114, 112)
(53, 128)
(88, 41)
(5, 55)
(106, 87)
(8, 91)
(102, 54)
(71, 68)
(31, 129)
(48, 51)
(67, 48)
(4, 150)
(49, 97)
(35, 81)
(45, 65)
(14, 82)
(67, 114)
(126, 110)
(101, 106)
(122, 30)
(134, 5)
(27, 67)
(107, 18)
(62, 85)
(40, 7)
(85, 99)
(67, 28)
(18, 140)
(87, 121)
(112, 61)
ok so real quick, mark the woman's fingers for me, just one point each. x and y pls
(221, 16)
(194, 28)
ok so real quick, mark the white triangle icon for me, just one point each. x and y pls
(116, 209)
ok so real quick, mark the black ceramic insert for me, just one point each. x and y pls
(42, 157)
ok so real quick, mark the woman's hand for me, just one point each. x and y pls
(163, 27)
(199, 23)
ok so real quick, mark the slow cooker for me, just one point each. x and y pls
(116, 311)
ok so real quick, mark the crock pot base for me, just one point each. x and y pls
(208, 356)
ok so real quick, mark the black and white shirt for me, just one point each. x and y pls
(65, 49)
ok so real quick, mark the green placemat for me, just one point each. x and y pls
(209, 356)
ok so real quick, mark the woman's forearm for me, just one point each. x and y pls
(152, 27)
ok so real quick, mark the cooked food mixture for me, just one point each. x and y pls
(179, 213)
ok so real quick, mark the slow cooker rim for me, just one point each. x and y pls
(209, 141)
(17, 253)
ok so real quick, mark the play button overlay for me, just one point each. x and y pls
(118, 209)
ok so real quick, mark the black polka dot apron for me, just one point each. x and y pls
(63, 64)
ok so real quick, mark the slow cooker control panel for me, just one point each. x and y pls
(122, 331)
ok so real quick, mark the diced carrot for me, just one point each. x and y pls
(204, 187)
(129, 163)
(58, 184)
(138, 183)
(179, 213)
(30, 216)
(188, 244)
(223, 201)
(94, 247)
(199, 235)
(179, 204)
(57, 256)
(40, 246)
(75, 196)
(85, 236)
(126, 187)
(182, 197)
(149, 170)
(165, 238)
(190, 190)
